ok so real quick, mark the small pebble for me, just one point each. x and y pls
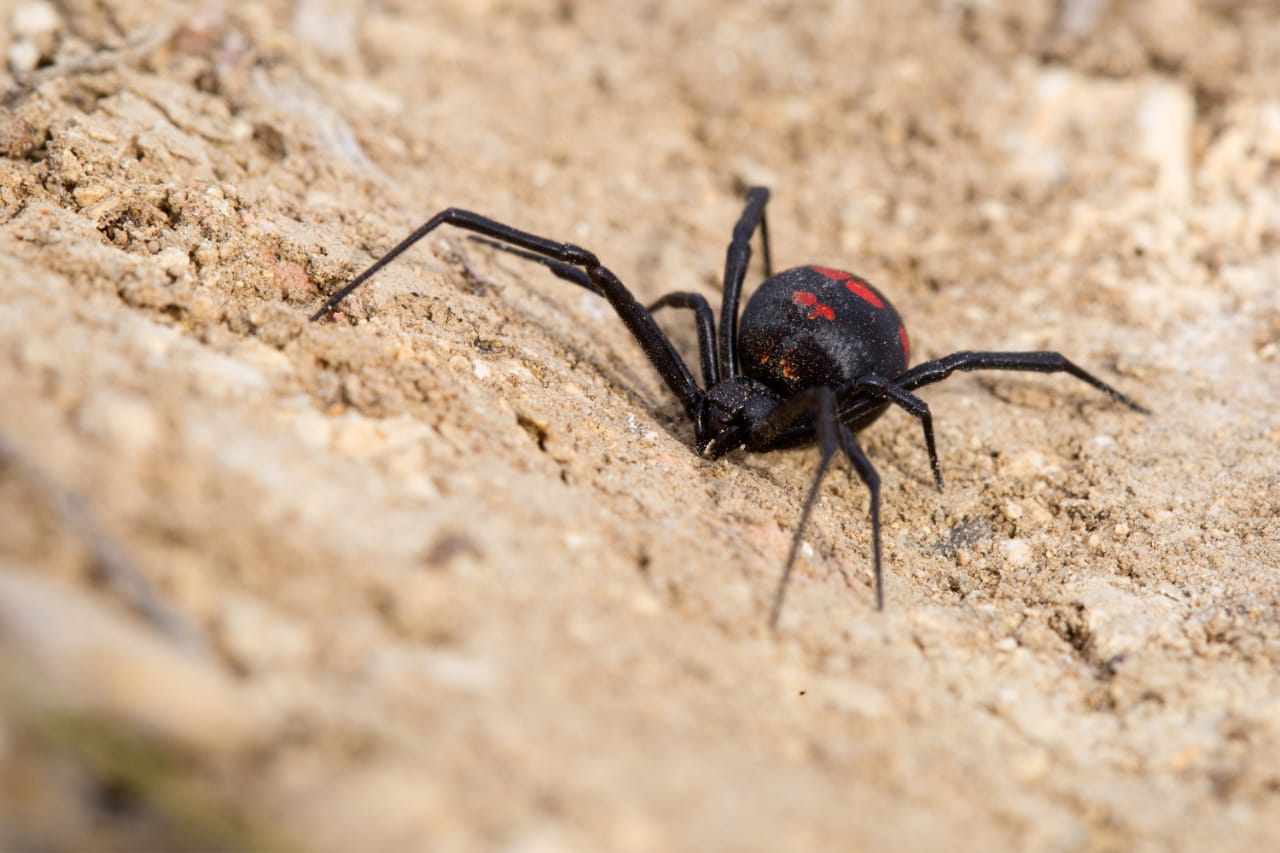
(1017, 553)
(35, 27)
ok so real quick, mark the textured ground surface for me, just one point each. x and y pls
(444, 574)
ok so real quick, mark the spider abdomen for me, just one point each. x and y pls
(811, 326)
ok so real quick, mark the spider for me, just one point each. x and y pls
(817, 355)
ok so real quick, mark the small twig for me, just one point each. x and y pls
(102, 60)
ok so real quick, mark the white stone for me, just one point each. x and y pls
(1017, 553)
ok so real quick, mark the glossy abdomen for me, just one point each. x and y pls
(813, 326)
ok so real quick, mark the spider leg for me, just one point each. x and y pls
(882, 389)
(832, 435)
(869, 476)
(701, 308)
(706, 329)
(662, 355)
(828, 444)
(565, 253)
(561, 270)
(858, 403)
(1036, 362)
(737, 258)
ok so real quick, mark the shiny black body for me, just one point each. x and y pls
(820, 355)
(815, 326)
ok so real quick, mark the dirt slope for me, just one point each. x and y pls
(444, 574)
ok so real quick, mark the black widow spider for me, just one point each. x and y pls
(820, 354)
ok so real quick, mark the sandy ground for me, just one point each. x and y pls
(444, 574)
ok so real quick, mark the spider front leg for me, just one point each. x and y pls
(858, 403)
(737, 259)
(564, 252)
(561, 270)
(657, 347)
(823, 404)
(706, 323)
(1035, 362)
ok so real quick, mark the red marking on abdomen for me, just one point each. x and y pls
(834, 275)
(861, 291)
(906, 346)
(804, 297)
